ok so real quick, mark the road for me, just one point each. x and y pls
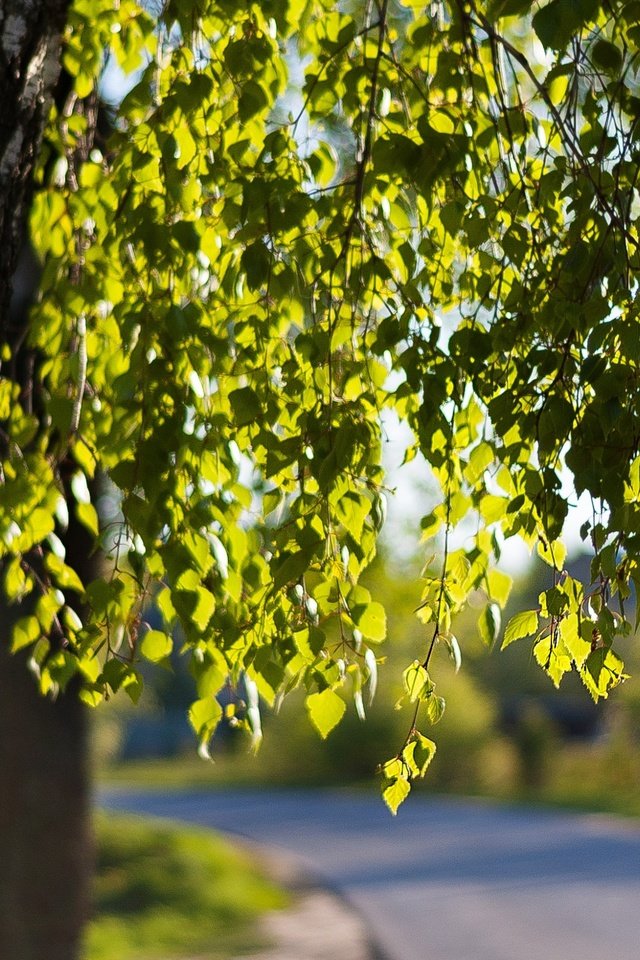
(447, 879)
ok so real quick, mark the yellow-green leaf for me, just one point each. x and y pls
(553, 553)
(156, 645)
(395, 792)
(523, 624)
(325, 710)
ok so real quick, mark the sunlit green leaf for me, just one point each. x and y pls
(325, 710)
(523, 624)
(156, 645)
(25, 632)
(371, 621)
(395, 792)
(489, 624)
(417, 682)
(204, 715)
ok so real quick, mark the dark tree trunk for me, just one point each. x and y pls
(30, 33)
(44, 818)
(44, 795)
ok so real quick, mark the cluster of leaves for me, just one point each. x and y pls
(438, 219)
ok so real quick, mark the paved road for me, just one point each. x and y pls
(448, 879)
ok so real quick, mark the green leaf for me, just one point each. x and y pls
(202, 611)
(256, 264)
(245, 405)
(86, 514)
(252, 100)
(25, 632)
(156, 645)
(65, 576)
(204, 716)
(38, 525)
(292, 568)
(602, 671)
(17, 583)
(576, 645)
(325, 710)
(395, 792)
(425, 749)
(408, 760)
(607, 56)
(559, 20)
(499, 586)
(508, 8)
(124, 474)
(454, 649)
(523, 624)
(435, 708)
(371, 620)
(417, 682)
(481, 457)
(47, 606)
(489, 624)
(553, 553)
(165, 606)
(133, 685)
(92, 697)
(553, 659)
(114, 673)
(89, 667)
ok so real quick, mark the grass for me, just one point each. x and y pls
(165, 891)
(175, 773)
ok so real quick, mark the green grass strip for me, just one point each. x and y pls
(168, 891)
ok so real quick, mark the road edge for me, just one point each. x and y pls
(316, 899)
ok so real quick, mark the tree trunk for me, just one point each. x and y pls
(44, 794)
(30, 33)
(44, 818)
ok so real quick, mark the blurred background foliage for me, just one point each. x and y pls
(506, 732)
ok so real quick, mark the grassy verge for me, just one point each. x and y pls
(165, 891)
(175, 773)
(185, 773)
(588, 778)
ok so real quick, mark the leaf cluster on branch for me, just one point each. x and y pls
(306, 214)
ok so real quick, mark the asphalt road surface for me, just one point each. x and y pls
(446, 879)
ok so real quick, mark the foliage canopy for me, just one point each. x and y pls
(307, 214)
